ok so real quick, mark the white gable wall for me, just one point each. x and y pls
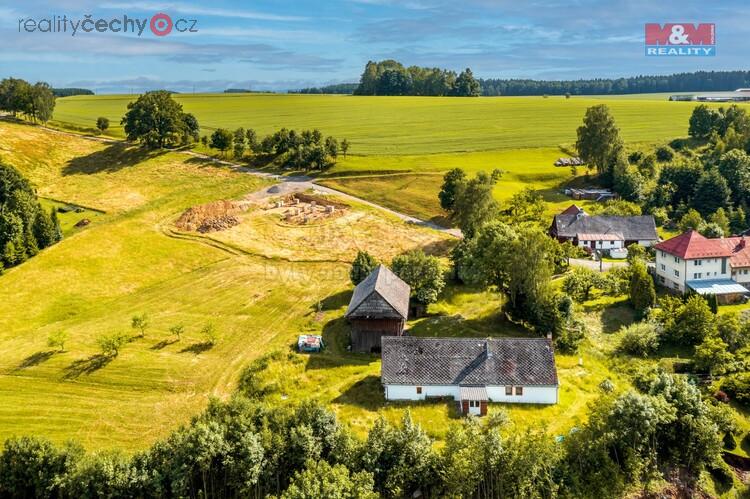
(531, 394)
(672, 271)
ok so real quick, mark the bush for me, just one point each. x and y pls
(640, 339)
(570, 338)
(738, 386)
(664, 154)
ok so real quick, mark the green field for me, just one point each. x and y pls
(406, 125)
(420, 135)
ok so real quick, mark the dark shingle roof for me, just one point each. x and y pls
(640, 228)
(465, 361)
(381, 295)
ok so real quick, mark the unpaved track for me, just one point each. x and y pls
(287, 185)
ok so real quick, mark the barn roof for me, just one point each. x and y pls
(381, 285)
(468, 361)
(640, 228)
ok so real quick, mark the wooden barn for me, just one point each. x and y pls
(379, 307)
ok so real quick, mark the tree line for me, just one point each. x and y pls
(305, 150)
(390, 77)
(247, 448)
(699, 81)
(338, 88)
(25, 227)
(68, 92)
(439, 84)
(19, 97)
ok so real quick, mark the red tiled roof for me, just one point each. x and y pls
(691, 245)
(572, 210)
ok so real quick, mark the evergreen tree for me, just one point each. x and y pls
(363, 265)
(711, 193)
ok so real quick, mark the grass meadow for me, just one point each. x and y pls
(419, 138)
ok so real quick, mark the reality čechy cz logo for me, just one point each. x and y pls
(681, 39)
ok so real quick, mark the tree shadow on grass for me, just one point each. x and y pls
(198, 348)
(163, 344)
(35, 359)
(615, 316)
(114, 158)
(87, 366)
(366, 393)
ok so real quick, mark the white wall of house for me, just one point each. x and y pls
(409, 392)
(531, 394)
(648, 243)
(741, 275)
(672, 271)
(602, 245)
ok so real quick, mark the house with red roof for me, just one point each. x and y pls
(718, 266)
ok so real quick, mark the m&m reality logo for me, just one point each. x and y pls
(681, 39)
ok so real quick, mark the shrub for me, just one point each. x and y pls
(738, 386)
(640, 339)
(664, 154)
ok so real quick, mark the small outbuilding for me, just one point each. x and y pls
(379, 307)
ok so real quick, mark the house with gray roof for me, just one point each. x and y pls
(379, 307)
(471, 371)
(603, 232)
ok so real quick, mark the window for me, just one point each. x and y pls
(676, 260)
(419, 390)
(744, 271)
(697, 262)
(519, 390)
(473, 403)
(663, 267)
(677, 273)
(509, 390)
(697, 275)
(675, 285)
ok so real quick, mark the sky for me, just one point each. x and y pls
(281, 45)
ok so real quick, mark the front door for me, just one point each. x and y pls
(475, 407)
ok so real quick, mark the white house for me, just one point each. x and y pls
(471, 371)
(691, 261)
(603, 232)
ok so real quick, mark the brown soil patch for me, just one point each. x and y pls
(210, 217)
